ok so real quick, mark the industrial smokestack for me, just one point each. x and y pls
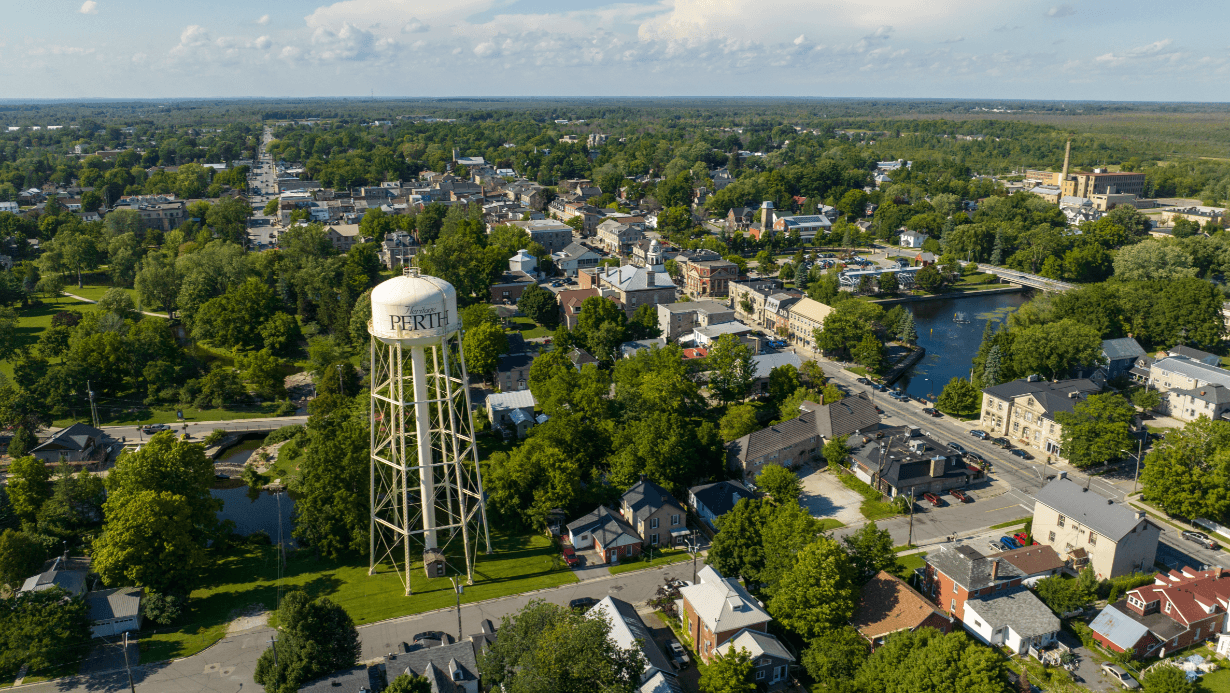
(766, 217)
(1063, 177)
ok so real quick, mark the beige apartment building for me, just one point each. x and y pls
(1100, 181)
(806, 316)
(1024, 411)
(1085, 528)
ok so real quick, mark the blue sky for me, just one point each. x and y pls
(1019, 49)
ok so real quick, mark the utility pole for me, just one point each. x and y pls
(93, 410)
(910, 540)
(458, 588)
(132, 687)
(340, 387)
(273, 642)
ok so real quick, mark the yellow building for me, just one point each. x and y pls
(1024, 411)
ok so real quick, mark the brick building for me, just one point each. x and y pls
(710, 278)
(716, 609)
(1177, 610)
(956, 573)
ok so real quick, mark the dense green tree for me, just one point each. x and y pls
(1189, 476)
(602, 327)
(907, 333)
(265, 372)
(20, 557)
(220, 388)
(737, 548)
(406, 683)
(1056, 349)
(1153, 260)
(836, 453)
(783, 382)
(835, 657)
(28, 488)
(483, 346)
(22, 442)
(75, 504)
(539, 305)
(738, 421)
(158, 282)
(545, 648)
(1167, 679)
(331, 512)
(929, 279)
(818, 593)
(780, 483)
(959, 398)
(317, 638)
(788, 529)
(869, 353)
(1063, 595)
(1146, 399)
(42, 630)
(9, 335)
(732, 370)
(871, 550)
(149, 540)
(644, 323)
(926, 660)
(1097, 430)
(728, 672)
(526, 484)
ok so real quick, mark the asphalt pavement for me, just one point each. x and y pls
(200, 429)
(229, 664)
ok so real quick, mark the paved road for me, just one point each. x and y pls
(1019, 478)
(200, 429)
(228, 665)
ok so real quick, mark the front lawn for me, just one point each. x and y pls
(829, 523)
(660, 557)
(527, 328)
(247, 577)
(118, 414)
(873, 508)
(909, 563)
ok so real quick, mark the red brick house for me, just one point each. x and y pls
(607, 533)
(716, 609)
(888, 606)
(956, 573)
(1177, 610)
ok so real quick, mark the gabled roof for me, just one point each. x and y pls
(1033, 560)
(757, 643)
(347, 681)
(888, 605)
(1195, 369)
(71, 581)
(1190, 597)
(1015, 608)
(968, 568)
(516, 399)
(1195, 354)
(773, 438)
(447, 667)
(646, 498)
(845, 416)
(76, 437)
(121, 602)
(606, 526)
(627, 628)
(720, 497)
(510, 362)
(1213, 394)
(1122, 348)
(1052, 397)
(722, 603)
(1118, 627)
(765, 363)
(633, 278)
(572, 252)
(1099, 513)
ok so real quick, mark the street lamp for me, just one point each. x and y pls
(458, 588)
(1140, 446)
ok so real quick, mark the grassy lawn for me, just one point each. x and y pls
(1217, 682)
(94, 292)
(1011, 523)
(1047, 678)
(660, 558)
(527, 328)
(857, 369)
(248, 576)
(908, 564)
(33, 320)
(872, 508)
(829, 523)
(112, 413)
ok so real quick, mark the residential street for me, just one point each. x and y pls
(228, 665)
(200, 429)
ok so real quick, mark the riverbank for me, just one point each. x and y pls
(954, 295)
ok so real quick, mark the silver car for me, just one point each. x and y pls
(1120, 675)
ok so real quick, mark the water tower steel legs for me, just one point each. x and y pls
(422, 425)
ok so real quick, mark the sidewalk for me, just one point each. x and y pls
(142, 312)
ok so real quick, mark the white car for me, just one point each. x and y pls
(1120, 675)
(154, 428)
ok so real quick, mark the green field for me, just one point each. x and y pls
(873, 508)
(247, 577)
(909, 563)
(527, 328)
(33, 320)
(660, 558)
(117, 412)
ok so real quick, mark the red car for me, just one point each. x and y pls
(959, 495)
(933, 499)
(570, 557)
(1022, 537)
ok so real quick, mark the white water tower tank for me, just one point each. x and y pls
(413, 309)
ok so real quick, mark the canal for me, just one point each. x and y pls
(268, 513)
(951, 346)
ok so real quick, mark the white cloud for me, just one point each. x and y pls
(799, 41)
(958, 39)
(414, 26)
(263, 42)
(194, 35)
(263, 20)
(485, 49)
(89, 7)
(1145, 51)
(349, 42)
(1059, 11)
(138, 58)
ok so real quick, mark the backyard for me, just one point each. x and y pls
(246, 578)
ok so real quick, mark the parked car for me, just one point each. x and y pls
(980, 435)
(678, 654)
(863, 381)
(1200, 539)
(1021, 538)
(1001, 443)
(1021, 454)
(933, 499)
(1008, 543)
(1120, 676)
(957, 447)
(570, 557)
(154, 428)
(960, 495)
(995, 547)
(970, 454)
(582, 603)
(932, 411)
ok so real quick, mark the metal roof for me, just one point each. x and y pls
(757, 644)
(1194, 369)
(723, 603)
(107, 605)
(516, 399)
(1108, 518)
(1119, 628)
(1122, 348)
(627, 628)
(767, 362)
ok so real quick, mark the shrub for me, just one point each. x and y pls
(163, 608)
(215, 436)
(284, 433)
(286, 408)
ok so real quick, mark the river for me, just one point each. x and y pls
(951, 346)
(257, 515)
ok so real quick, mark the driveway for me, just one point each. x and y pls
(591, 566)
(826, 497)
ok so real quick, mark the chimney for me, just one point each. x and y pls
(937, 466)
(1063, 475)
(1140, 514)
(1067, 156)
(994, 569)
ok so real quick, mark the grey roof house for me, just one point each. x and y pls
(114, 611)
(795, 441)
(76, 443)
(1120, 355)
(606, 532)
(448, 668)
(629, 632)
(711, 501)
(1013, 618)
(770, 659)
(654, 514)
(906, 461)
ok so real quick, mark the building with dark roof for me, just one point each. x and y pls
(71, 581)
(654, 514)
(1120, 355)
(956, 573)
(770, 659)
(629, 632)
(902, 460)
(711, 501)
(449, 668)
(1035, 561)
(1085, 528)
(114, 611)
(796, 441)
(76, 443)
(1195, 354)
(512, 371)
(1024, 410)
(360, 679)
(607, 533)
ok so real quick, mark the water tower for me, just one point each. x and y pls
(426, 488)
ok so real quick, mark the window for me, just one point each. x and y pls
(759, 674)
(653, 523)
(1061, 520)
(1167, 607)
(765, 661)
(674, 520)
(953, 606)
(954, 587)
(1051, 537)
(1093, 538)
(1015, 427)
(653, 539)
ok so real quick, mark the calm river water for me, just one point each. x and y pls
(952, 346)
(252, 516)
